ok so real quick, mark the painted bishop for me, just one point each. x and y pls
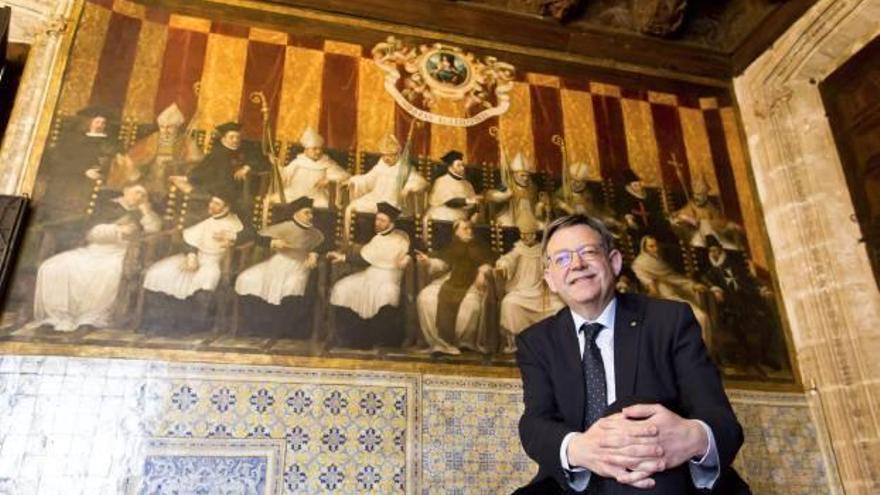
(520, 197)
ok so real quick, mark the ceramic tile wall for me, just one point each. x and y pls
(99, 426)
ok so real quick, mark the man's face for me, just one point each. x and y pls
(651, 246)
(529, 238)
(715, 253)
(457, 168)
(231, 140)
(584, 281)
(465, 232)
(578, 185)
(381, 223)
(304, 216)
(521, 178)
(97, 125)
(700, 198)
(390, 158)
(217, 207)
(636, 186)
(314, 152)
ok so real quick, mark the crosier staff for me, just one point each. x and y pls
(275, 194)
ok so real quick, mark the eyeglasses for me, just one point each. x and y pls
(563, 259)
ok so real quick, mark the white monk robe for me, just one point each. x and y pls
(527, 299)
(302, 174)
(211, 238)
(285, 273)
(654, 271)
(79, 287)
(381, 184)
(447, 188)
(367, 291)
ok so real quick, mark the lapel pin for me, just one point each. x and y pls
(632, 323)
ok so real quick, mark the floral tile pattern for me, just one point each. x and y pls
(470, 438)
(101, 426)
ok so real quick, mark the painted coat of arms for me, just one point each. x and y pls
(417, 76)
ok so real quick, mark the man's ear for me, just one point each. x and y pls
(616, 261)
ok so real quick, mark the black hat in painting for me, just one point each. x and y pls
(389, 210)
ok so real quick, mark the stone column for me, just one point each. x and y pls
(824, 274)
(43, 25)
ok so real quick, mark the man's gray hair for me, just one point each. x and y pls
(607, 240)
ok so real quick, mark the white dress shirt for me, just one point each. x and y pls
(704, 472)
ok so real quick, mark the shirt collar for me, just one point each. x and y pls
(606, 318)
(719, 261)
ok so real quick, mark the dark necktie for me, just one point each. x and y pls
(594, 374)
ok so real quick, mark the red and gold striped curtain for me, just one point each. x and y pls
(138, 60)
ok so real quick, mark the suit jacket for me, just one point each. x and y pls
(659, 356)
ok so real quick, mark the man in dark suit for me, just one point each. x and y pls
(620, 394)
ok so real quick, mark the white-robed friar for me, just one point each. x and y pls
(661, 280)
(452, 197)
(286, 273)
(387, 254)
(390, 180)
(80, 286)
(182, 275)
(310, 173)
(527, 299)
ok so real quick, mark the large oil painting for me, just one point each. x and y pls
(214, 186)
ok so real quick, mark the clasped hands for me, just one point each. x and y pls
(634, 444)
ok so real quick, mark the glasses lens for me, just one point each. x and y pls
(562, 259)
(589, 252)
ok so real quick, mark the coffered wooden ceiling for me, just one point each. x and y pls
(706, 42)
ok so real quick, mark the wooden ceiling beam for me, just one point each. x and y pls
(620, 48)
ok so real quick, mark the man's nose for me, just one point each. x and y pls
(576, 262)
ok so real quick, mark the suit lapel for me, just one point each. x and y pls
(627, 328)
(572, 372)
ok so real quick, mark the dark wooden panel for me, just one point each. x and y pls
(656, 53)
(852, 99)
(583, 56)
(763, 35)
(13, 212)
